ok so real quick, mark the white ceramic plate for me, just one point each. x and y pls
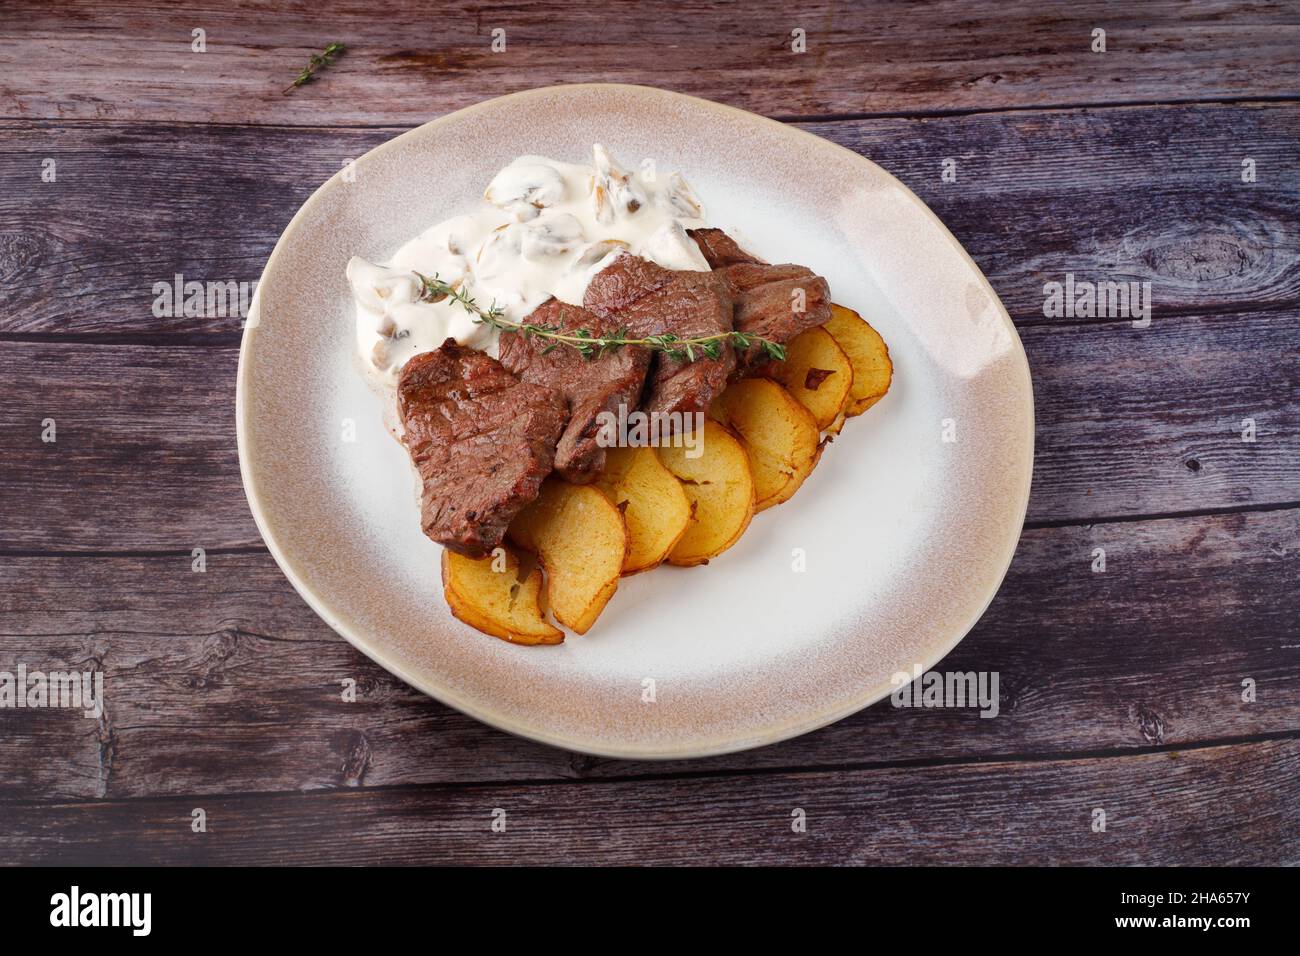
(906, 537)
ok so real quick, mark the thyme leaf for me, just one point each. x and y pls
(318, 60)
(589, 345)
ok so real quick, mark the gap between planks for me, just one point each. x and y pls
(1069, 756)
(1028, 526)
(790, 119)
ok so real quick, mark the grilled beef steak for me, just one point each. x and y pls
(481, 440)
(648, 299)
(719, 249)
(590, 386)
(764, 294)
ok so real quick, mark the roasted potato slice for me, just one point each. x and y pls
(720, 488)
(489, 595)
(655, 508)
(841, 416)
(872, 369)
(579, 537)
(817, 374)
(779, 434)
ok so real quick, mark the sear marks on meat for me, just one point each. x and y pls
(650, 300)
(481, 440)
(590, 386)
(764, 294)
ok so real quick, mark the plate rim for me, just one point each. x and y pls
(770, 734)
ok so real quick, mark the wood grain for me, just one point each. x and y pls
(1162, 808)
(1122, 195)
(1142, 195)
(1120, 690)
(145, 455)
(1150, 421)
(93, 59)
(225, 681)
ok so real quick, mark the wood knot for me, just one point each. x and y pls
(354, 747)
(1150, 725)
(582, 764)
(18, 254)
(1198, 258)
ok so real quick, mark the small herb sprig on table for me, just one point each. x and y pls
(592, 346)
(324, 58)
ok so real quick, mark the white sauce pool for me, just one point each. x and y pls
(547, 227)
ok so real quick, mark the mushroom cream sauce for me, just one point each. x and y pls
(546, 229)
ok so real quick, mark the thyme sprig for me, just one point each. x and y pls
(589, 345)
(318, 60)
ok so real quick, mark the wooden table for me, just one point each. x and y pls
(1121, 691)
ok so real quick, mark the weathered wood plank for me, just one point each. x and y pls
(1147, 421)
(1235, 804)
(1130, 422)
(225, 681)
(1126, 195)
(111, 60)
(1147, 195)
(144, 453)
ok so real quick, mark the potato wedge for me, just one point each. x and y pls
(655, 508)
(489, 596)
(867, 351)
(817, 373)
(579, 537)
(779, 435)
(836, 426)
(720, 488)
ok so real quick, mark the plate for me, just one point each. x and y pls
(903, 532)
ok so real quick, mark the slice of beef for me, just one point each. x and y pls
(764, 294)
(590, 386)
(481, 440)
(719, 249)
(648, 299)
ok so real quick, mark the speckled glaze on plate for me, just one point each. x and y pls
(906, 537)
